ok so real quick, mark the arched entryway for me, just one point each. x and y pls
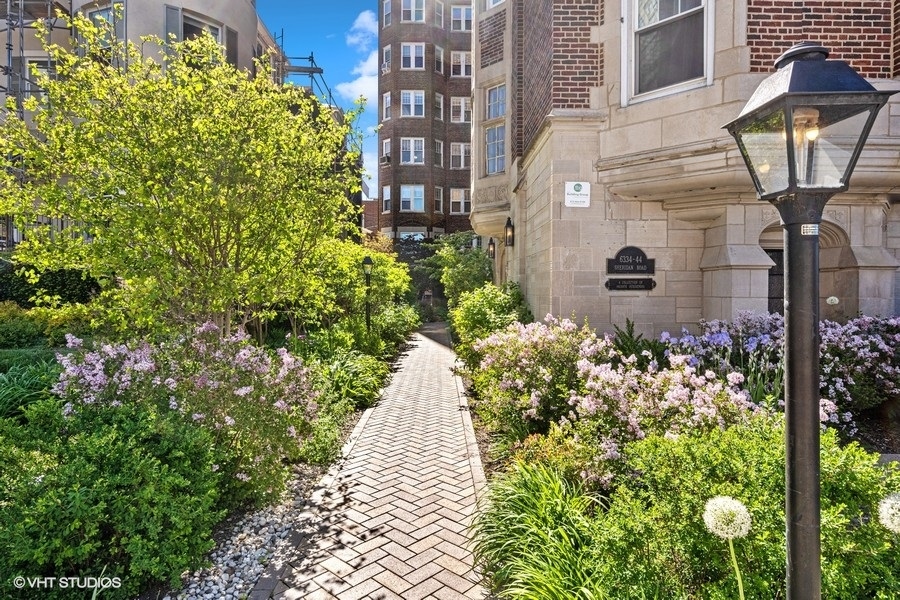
(838, 271)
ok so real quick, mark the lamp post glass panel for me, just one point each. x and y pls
(800, 135)
(510, 232)
(367, 269)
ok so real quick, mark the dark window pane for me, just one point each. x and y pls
(670, 53)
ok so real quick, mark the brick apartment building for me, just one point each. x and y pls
(597, 134)
(424, 105)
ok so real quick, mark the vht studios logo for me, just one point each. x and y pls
(82, 583)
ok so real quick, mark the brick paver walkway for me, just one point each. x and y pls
(390, 520)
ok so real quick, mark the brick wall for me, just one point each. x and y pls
(861, 32)
(537, 67)
(490, 38)
(896, 57)
(576, 60)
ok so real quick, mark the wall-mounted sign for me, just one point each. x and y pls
(630, 261)
(625, 285)
(578, 194)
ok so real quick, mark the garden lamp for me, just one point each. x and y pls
(800, 135)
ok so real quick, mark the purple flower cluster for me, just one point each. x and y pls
(259, 405)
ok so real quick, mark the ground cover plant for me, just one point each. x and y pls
(606, 498)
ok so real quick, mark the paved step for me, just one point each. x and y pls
(390, 520)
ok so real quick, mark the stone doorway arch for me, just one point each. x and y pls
(838, 271)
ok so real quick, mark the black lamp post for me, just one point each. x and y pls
(492, 249)
(367, 269)
(801, 134)
(510, 232)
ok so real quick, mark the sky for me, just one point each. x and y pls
(342, 37)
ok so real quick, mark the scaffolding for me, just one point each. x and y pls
(19, 19)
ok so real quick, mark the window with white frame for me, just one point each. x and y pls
(386, 12)
(668, 44)
(460, 201)
(386, 198)
(412, 103)
(460, 64)
(495, 149)
(386, 148)
(460, 155)
(412, 151)
(386, 106)
(461, 18)
(439, 14)
(439, 107)
(412, 198)
(495, 104)
(439, 60)
(438, 153)
(493, 3)
(413, 10)
(386, 59)
(412, 56)
(495, 130)
(460, 109)
(438, 200)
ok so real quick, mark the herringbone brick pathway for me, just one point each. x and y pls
(390, 520)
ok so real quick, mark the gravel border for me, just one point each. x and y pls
(247, 543)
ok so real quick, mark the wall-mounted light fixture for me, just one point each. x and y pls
(510, 232)
(492, 248)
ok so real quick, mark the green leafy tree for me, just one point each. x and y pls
(458, 265)
(188, 189)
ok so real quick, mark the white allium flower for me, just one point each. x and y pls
(889, 512)
(726, 517)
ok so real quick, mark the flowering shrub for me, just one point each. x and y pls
(859, 360)
(528, 373)
(480, 313)
(752, 344)
(623, 403)
(257, 407)
(860, 363)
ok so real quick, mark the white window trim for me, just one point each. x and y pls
(493, 3)
(439, 14)
(465, 100)
(629, 25)
(386, 199)
(465, 158)
(465, 61)
(413, 12)
(462, 202)
(411, 142)
(413, 104)
(413, 46)
(386, 106)
(438, 200)
(386, 15)
(462, 7)
(493, 125)
(412, 198)
(438, 106)
(386, 147)
(439, 154)
(438, 51)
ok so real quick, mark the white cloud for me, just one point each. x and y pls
(366, 84)
(364, 31)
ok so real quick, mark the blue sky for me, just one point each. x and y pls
(342, 36)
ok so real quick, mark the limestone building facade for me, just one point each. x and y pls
(597, 133)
